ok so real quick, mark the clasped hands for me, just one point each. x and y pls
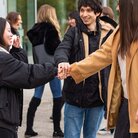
(63, 70)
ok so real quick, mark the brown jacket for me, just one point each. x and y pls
(102, 58)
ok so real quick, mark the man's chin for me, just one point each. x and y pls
(86, 22)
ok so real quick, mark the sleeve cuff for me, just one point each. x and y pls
(75, 73)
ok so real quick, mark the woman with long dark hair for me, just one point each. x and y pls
(15, 75)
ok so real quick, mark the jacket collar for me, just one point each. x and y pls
(84, 28)
(3, 50)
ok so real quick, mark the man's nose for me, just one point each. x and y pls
(85, 13)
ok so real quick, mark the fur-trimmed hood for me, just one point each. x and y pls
(107, 23)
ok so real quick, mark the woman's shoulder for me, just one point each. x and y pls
(50, 27)
(42, 27)
(4, 57)
(39, 27)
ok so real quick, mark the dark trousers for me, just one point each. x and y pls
(5, 133)
(123, 125)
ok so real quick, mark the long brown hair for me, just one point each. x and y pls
(47, 13)
(128, 21)
(12, 17)
(2, 29)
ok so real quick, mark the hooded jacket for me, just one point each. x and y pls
(15, 75)
(71, 49)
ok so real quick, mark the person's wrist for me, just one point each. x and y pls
(17, 46)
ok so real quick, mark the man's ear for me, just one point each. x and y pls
(98, 14)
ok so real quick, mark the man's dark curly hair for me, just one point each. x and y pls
(95, 5)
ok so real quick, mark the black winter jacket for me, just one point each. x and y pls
(15, 75)
(71, 49)
(44, 33)
(21, 55)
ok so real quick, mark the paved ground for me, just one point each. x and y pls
(43, 125)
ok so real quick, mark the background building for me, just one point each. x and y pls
(28, 10)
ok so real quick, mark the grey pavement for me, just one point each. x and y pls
(42, 124)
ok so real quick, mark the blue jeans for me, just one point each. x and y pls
(75, 118)
(55, 86)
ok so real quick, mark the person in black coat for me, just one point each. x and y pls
(15, 75)
(45, 38)
(15, 21)
(83, 101)
(72, 19)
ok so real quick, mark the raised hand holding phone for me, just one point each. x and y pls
(16, 41)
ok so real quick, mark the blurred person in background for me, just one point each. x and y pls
(72, 18)
(46, 32)
(15, 20)
(107, 18)
(107, 11)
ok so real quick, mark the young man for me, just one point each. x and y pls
(83, 105)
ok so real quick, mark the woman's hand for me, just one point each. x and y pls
(63, 70)
(16, 41)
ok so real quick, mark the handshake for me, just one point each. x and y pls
(63, 70)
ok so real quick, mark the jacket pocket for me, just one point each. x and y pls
(8, 107)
